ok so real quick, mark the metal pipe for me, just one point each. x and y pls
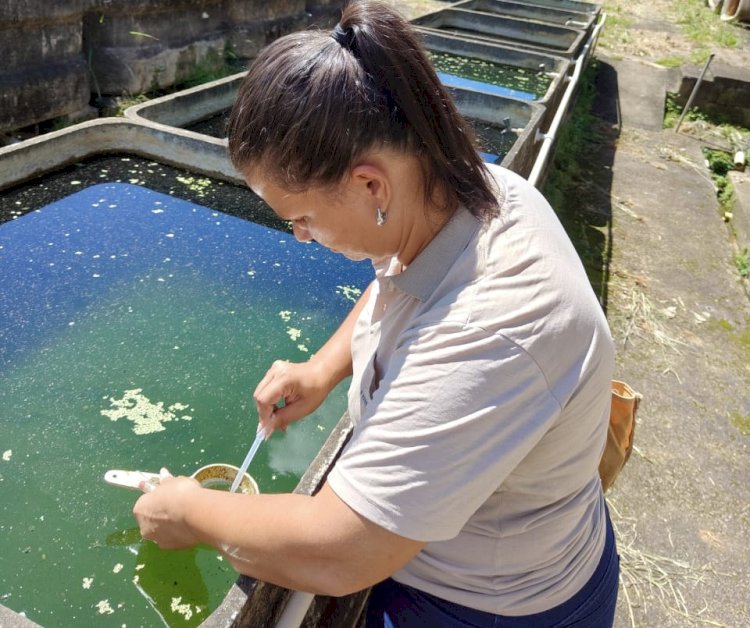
(549, 137)
(295, 610)
(693, 93)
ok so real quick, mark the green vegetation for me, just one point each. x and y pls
(616, 30)
(738, 336)
(742, 261)
(742, 423)
(698, 24)
(720, 163)
(704, 28)
(572, 143)
(673, 111)
(568, 185)
(670, 62)
(128, 101)
(724, 324)
(213, 67)
(531, 81)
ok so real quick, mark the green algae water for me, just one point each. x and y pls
(493, 142)
(133, 329)
(515, 81)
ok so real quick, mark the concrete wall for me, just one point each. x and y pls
(57, 54)
(324, 13)
(255, 23)
(724, 92)
(140, 45)
(43, 73)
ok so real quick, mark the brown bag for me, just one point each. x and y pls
(625, 402)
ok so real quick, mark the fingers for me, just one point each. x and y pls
(269, 426)
(288, 392)
(277, 385)
(269, 390)
(148, 486)
(276, 367)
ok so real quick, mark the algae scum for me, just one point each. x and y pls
(134, 327)
(516, 82)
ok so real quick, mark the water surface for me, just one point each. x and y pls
(133, 328)
(487, 76)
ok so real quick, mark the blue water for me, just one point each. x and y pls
(116, 296)
(451, 80)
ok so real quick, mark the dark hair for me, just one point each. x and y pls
(312, 102)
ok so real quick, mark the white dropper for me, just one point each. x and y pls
(259, 438)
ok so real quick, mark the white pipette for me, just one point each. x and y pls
(248, 459)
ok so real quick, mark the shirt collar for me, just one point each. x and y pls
(431, 266)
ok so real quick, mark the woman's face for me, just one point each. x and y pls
(340, 219)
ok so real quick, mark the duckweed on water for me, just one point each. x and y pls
(351, 293)
(196, 184)
(148, 417)
(139, 348)
(523, 79)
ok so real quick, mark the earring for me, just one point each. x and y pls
(380, 217)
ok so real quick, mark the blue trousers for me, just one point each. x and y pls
(395, 605)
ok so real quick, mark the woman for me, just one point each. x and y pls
(480, 358)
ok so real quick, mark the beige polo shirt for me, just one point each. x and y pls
(480, 398)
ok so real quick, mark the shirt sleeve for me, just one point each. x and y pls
(455, 411)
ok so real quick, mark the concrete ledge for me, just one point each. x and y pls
(37, 156)
(557, 66)
(527, 34)
(529, 11)
(189, 105)
(192, 105)
(741, 210)
(725, 91)
(639, 89)
(11, 619)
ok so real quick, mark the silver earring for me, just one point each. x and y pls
(380, 217)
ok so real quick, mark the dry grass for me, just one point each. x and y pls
(647, 577)
(644, 321)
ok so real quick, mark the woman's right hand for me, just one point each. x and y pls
(301, 387)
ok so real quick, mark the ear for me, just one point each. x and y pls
(369, 180)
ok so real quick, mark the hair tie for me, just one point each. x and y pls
(343, 36)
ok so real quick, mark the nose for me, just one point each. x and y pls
(300, 232)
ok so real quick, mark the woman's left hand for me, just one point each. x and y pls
(160, 512)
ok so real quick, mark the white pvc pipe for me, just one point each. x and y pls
(548, 138)
(295, 610)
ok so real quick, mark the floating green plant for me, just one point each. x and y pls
(535, 82)
(196, 184)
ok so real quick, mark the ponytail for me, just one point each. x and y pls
(313, 102)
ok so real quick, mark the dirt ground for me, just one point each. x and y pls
(680, 316)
